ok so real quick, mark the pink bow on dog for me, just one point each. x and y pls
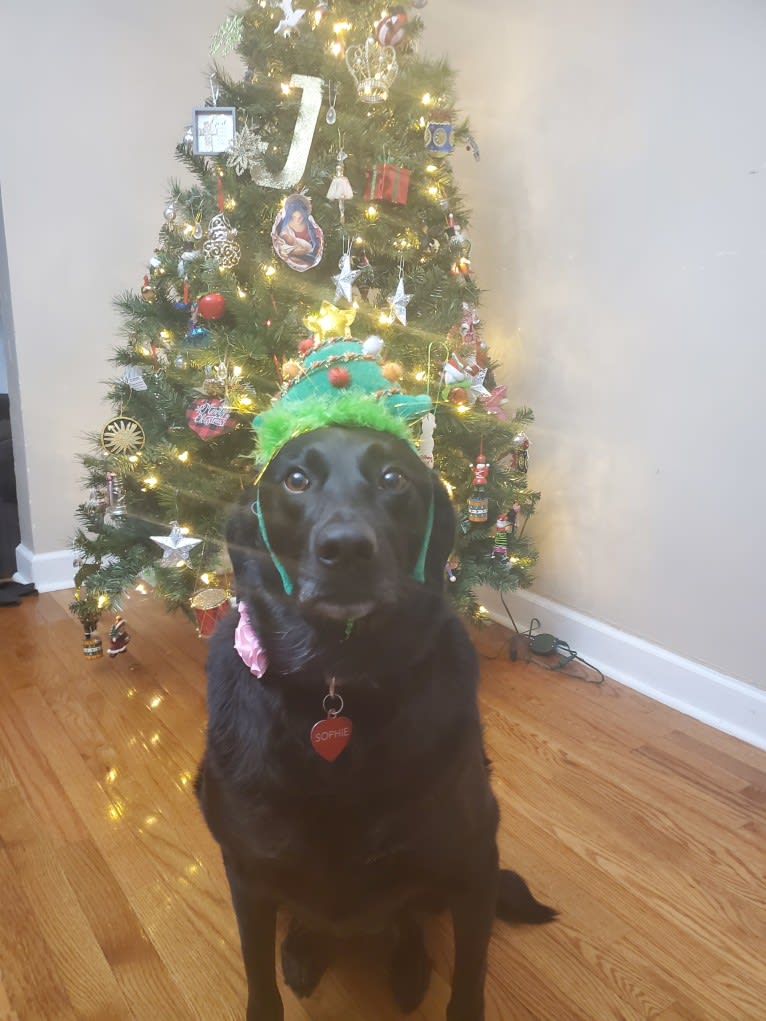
(248, 644)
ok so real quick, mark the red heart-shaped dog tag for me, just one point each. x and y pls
(329, 737)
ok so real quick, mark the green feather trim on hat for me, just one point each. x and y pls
(287, 419)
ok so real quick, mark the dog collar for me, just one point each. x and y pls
(248, 644)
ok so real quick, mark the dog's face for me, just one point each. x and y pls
(348, 512)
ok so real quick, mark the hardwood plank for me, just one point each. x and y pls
(647, 831)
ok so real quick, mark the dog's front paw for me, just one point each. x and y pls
(305, 956)
(265, 1009)
(410, 968)
(465, 1011)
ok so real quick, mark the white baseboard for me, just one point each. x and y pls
(49, 572)
(722, 702)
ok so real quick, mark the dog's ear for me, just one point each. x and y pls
(442, 535)
(243, 537)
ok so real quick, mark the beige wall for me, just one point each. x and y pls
(618, 231)
(97, 96)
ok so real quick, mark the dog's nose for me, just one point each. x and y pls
(343, 543)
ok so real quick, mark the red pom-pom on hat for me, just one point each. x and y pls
(339, 377)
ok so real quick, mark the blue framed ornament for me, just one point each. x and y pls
(438, 133)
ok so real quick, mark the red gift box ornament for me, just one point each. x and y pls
(387, 183)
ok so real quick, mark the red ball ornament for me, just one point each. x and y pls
(306, 345)
(457, 395)
(390, 30)
(211, 306)
(339, 377)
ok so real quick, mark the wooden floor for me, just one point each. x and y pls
(646, 829)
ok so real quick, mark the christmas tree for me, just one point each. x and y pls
(323, 204)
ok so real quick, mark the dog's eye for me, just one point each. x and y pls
(393, 480)
(297, 481)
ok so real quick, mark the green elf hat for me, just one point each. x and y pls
(338, 382)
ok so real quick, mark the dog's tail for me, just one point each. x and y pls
(515, 902)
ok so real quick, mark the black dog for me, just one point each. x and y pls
(348, 783)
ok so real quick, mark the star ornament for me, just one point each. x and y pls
(330, 320)
(176, 547)
(290, 18)
(344, 281)
(399, 302)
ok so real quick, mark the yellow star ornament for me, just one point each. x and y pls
(330, 321)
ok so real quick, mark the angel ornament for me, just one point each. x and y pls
(340, 187)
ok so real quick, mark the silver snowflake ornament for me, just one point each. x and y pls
(245, 151)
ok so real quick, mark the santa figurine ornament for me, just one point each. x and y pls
(118, 637)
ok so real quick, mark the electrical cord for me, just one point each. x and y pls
(544, 644)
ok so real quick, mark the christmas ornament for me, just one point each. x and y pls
(303, 135)
(209, 605)
(122, 435)
(147, 291)
(220, 245)
(118, 637)
(92, 647)
(330, 320)
(169, 213)
(493, 403)
(332, 94)
(246, 151)
(115, 497)
(228, 37)
(519, 456)
(213, 130)
(388, 183)
(212, 305)
(176, 547)
(134, 378)
(210, 417)
(391, 30)
(196, 336)
(290, 18)
(340, 188)
(297, 238)
(478, 502)
(500, 540)
(426, 445)
(472, 147)
(373, 68)
(438, 133)
(458, 395)
(399, 300)
(330, 736)
(344, 280)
